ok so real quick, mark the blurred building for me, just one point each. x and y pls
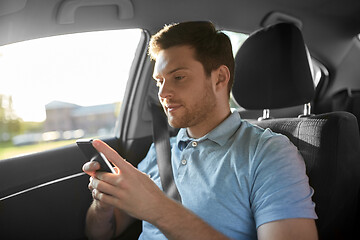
(63, 116)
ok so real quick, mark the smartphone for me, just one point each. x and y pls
(92, 154)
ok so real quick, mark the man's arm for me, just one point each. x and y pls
(176, 223)
(296, 229)
(103, 221)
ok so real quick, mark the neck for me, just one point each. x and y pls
(211, 122)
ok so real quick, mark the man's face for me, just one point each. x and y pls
(185, 91)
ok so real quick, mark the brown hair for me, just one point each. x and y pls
(212, 47)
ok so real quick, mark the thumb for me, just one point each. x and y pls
(110, 154)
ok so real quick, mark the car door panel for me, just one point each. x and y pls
(56, 211)
(45, 195)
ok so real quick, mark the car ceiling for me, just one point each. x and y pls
(329, 26)
(39, 16)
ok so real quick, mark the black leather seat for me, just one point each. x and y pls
(272, 71)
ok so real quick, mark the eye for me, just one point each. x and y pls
(179, 77)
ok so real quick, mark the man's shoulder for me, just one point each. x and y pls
(253, 134)
(258, 143)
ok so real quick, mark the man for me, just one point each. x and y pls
(236, 181)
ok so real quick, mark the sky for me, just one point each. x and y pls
(85, 69)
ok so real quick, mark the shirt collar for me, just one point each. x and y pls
(220, 134)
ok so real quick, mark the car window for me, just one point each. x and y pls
(237, 39)
(57, 89)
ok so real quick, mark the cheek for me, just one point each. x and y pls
(202, 91)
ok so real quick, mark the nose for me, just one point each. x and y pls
(165, 90)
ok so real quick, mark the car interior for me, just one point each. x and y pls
(296, 73)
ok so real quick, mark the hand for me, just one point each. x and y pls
(90, 168)
(129, 190)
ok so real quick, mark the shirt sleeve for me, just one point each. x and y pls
(280, 186)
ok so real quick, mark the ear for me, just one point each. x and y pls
(222, 78)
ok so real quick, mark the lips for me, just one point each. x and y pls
(172, 107)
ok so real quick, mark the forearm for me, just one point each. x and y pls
(177, 223)
(105, 223)
(100, 224)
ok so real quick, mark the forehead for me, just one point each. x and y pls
(177, 57)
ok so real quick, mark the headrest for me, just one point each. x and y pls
(272, 69)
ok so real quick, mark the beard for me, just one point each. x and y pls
(195, 112)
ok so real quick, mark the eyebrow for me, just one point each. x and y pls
(172, 71)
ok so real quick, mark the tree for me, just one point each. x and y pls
(10, 123)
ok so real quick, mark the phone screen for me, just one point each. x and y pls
(92, 154)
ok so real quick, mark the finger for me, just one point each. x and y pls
(90, 187)
(105, 187)
(105, 199)
(90, 184)
(111, 154)
(108, 178)
(93, 193)
(91, 167)
(96, 194)
(100, 204)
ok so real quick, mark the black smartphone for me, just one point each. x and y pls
(92, 154)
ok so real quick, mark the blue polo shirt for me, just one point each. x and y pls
(236, 178)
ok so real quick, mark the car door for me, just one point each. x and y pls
(44, 195)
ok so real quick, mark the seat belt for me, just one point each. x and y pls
(161, 138)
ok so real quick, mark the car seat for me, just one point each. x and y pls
(347, 100)
(272, 70)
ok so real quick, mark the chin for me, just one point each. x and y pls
(176, 123)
